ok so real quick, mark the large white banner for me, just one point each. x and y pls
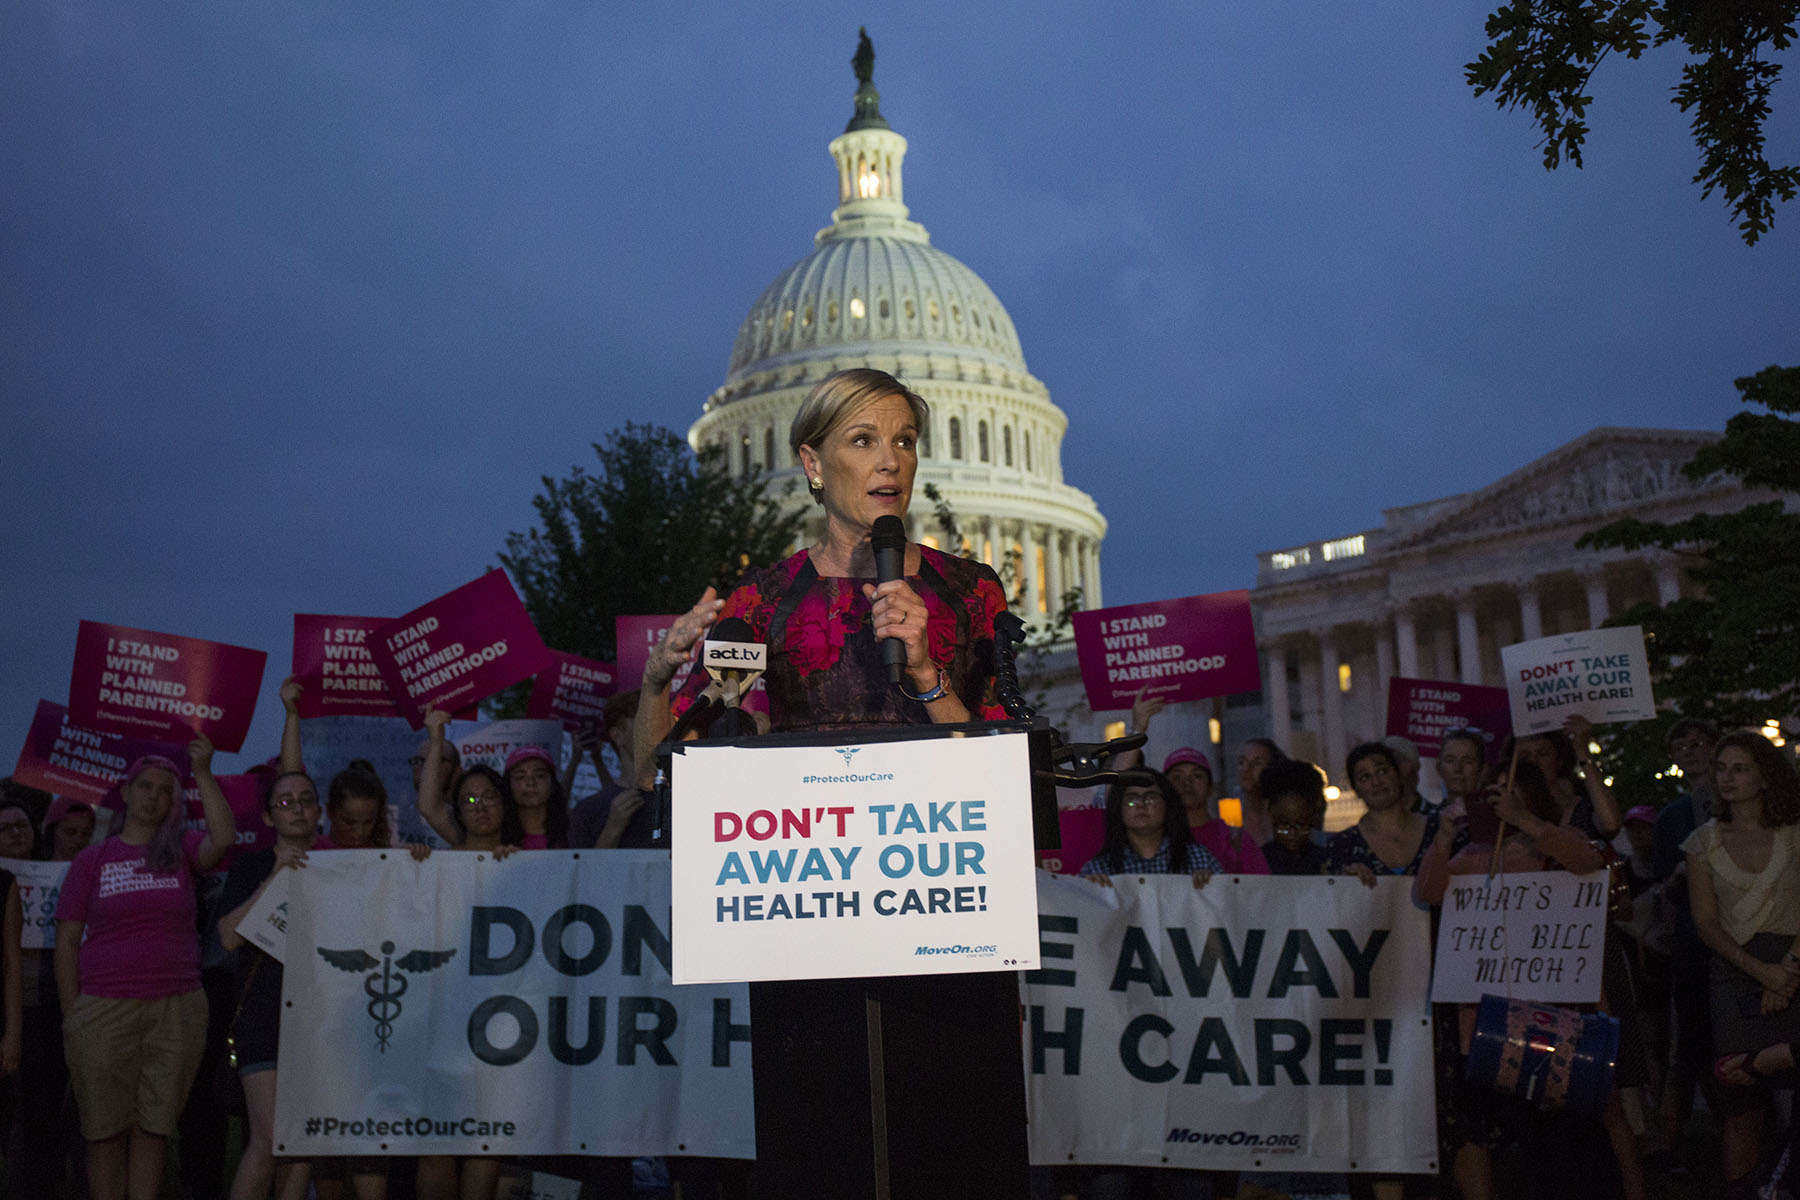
(1258, 1023)
(887, 858)
(461, 1005)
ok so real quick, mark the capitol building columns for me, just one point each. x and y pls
(1442, 586)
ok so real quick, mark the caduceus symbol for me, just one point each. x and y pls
(386, 982)
(847, 751)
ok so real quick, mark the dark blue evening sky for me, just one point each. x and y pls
(301, 299)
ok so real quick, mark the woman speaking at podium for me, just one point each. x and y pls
(823, 614)
(907, 1086)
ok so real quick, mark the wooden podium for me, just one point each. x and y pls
(897, 1087)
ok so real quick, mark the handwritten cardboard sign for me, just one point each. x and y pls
(163, 686)
(1600, 674)
(337, 672)
(458, 649)
(573, 691)
(1535, 935)
(1184, 649)
(1422, 709)
(61, 757)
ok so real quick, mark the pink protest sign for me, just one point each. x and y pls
(573, 691)
(337, 674)
(1083, 832)
(163, 686)
(459, 649)
(68, 760)
(1422, 709)
(1185, 649)
(636, 637)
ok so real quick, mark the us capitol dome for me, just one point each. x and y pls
(875, 292)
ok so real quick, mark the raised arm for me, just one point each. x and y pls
(290, 725)
(432, 807)
(1434, 872)
(221, 825)
(1607, 818)
(654, 717)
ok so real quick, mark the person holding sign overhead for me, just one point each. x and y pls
(824, 615)
(128, 972)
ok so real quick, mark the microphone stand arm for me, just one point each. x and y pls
(1070, 764)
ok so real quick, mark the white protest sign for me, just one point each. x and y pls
(40, 883)
(1535, 935)
(888, 858)
(462, 1005)
(489, 744)
(1257, 1023)
(1600, 674)
(265, 925)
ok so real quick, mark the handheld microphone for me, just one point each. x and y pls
(887, 537)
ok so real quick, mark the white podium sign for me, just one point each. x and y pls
(886, 858)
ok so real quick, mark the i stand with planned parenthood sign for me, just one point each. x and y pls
(1191, 648)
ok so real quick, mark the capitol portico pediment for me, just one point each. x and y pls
(1602, 475)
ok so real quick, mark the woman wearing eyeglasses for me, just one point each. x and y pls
(478, 812)
(1147, 834)
(291, 809)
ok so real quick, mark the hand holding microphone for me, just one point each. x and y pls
(897, 614)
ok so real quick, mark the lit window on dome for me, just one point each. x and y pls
(856, 308)
(807, 316)
(831, 312)
(884, 308)
(911, 312)
(932, 308)
(787, 320)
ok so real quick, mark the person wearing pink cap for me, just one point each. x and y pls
(1190, 773)
(538, 796)
(128, 972)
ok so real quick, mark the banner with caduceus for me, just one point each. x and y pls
(462, 1005)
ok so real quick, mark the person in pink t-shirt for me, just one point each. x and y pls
(128, 972)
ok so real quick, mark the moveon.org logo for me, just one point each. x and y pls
(1274, 1142)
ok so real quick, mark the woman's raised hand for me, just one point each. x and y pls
(436, 721)
(679, 642)
(200, 754)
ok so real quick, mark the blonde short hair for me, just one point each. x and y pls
(840, 394)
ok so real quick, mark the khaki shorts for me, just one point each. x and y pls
(132, 1061)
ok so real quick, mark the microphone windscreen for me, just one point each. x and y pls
(732, 629)
(888, 533)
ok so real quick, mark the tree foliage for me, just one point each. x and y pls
(647, 531)
(1732, 653)
(1542, 54)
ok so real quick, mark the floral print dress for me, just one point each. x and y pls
(825, 669)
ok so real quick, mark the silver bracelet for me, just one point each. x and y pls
(936, 693)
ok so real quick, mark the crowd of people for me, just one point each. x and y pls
(154, 1016)
(1702, 958)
